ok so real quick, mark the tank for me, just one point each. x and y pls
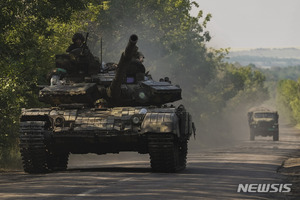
(263, 122)
(118, 108)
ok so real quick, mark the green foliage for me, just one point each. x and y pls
(249, 88)
(288, 95)
(279, 73)
(31, 33)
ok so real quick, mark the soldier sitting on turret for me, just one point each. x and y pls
(136, 70)
(85, 60)
(79, 61)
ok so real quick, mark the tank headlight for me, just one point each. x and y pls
(142, 95)
(59, 121)
(135, 120)
(143, 111)
(53, 112)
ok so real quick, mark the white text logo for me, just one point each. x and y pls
(263, 188)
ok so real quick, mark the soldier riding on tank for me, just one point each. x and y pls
(79, 61)
(78, 41)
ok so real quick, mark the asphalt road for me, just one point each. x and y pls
(211, 174)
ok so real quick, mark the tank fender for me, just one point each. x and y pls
(187, 126)
(160, 123)
(35, 114)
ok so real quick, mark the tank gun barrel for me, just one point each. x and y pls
(131, 47)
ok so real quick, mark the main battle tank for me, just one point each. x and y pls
(107, 112)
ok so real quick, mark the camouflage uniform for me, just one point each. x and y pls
(83, 59)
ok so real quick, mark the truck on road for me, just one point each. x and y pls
(263, 122)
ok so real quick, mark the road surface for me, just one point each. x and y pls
(211, 174)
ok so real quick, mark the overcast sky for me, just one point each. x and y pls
(252, 23)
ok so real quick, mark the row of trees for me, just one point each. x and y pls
(265, 61)
(173, 41)
(280, 73)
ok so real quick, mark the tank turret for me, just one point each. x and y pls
(117, 87)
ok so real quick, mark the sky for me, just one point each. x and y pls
(243, 24)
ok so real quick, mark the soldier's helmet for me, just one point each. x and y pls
(140, 54)
(77, 36)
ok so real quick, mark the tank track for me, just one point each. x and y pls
(167, 153)
(35, 155)
(32, 147)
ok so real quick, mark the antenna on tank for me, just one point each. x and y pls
(101, 51)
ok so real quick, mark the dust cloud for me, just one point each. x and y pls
(227, 128)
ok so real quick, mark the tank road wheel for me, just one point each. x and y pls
(252, 135)
(276, 136)
(57, 161)
(167, 154)
(32, 147)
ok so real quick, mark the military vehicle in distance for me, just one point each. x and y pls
(107, 112)
(263, 122)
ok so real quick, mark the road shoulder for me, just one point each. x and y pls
(291, 169)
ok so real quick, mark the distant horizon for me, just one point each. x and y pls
(246, 49)
(266, 57)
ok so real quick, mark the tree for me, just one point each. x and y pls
(31, 32)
